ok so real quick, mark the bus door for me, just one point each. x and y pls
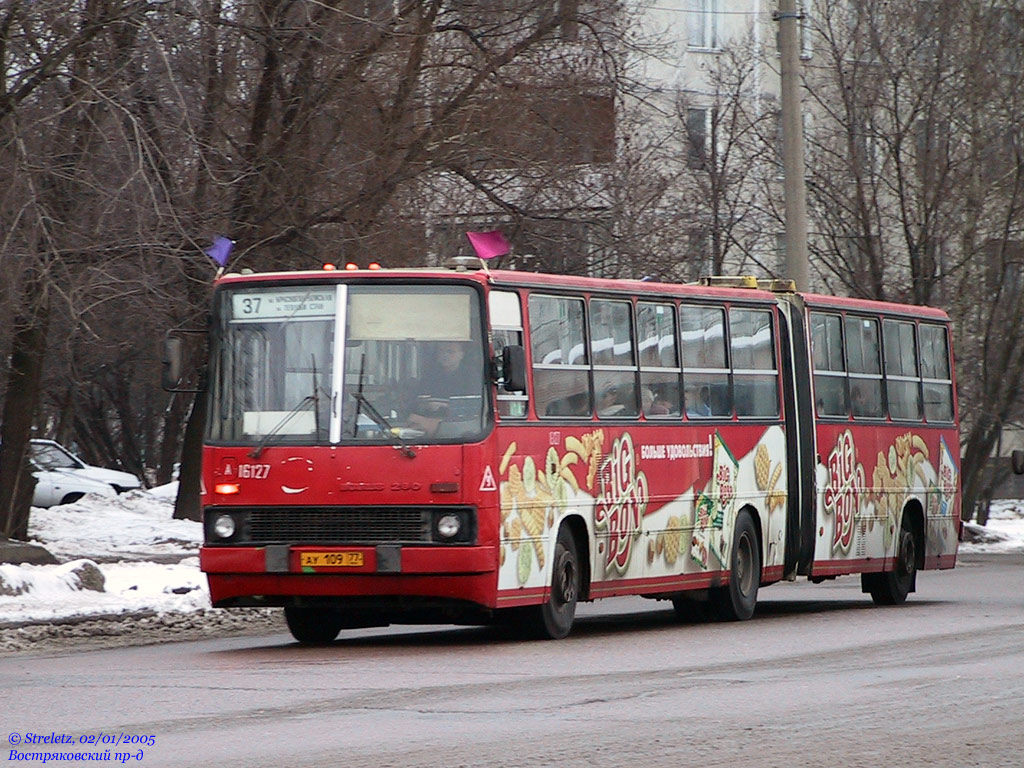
(800, 437)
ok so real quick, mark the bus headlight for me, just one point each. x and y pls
(448, 526)
(224, 526)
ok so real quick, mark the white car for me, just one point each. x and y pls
(62, 477)
(64, 486)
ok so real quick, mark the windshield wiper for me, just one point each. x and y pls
(384, 424)
(262, 444)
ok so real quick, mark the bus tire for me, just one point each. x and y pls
(892, 587)
(553, 620)
(312, 626)
(737, 599)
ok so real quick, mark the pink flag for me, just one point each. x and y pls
(488, 244)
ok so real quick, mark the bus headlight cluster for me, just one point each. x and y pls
(453, 526)
(224, 526)
(449, 525)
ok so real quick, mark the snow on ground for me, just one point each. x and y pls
(150, 566)
(148, 561)
(1004, 531)
(133, 526)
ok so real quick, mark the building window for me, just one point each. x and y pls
(698, 137)
(703, 24)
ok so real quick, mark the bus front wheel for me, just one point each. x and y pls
(312, 626)
(553, 620)
(737, 599)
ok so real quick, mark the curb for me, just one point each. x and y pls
(22, 553)
(79, 619)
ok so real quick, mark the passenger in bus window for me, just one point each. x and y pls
(647, 399)
(699, 404)
(607, 401)
(577, 404)
(664, 406)
(857, 401)
(655, 404)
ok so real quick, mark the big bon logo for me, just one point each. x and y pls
(621, 504)
(845, 478)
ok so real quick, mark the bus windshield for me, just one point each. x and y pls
(367, 363)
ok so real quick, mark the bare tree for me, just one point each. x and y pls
(69, 167)
(914, 176)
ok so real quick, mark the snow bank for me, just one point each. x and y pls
(136, 525)
(127, 555)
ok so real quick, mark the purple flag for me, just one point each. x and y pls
(220, 250)
(488, 244)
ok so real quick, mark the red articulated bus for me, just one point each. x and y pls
(463, 445)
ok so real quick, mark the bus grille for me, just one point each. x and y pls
(376, 525)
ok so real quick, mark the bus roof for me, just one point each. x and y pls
(557, 282)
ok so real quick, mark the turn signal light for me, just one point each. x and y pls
(226, 489)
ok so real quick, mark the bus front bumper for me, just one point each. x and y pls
(270, 575)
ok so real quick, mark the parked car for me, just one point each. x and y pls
(64, 486)
(60, 468)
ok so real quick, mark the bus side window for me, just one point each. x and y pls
(705, 370)
(863, 362)
(511, 405)
(902, 385)
(829, 367)
(659, 360)
(937, 383)
(561, 369)
(755, 377)
(506, 318)
(611, 339)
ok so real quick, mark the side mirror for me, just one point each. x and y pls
(1017, 462)
(183, 361)
(513, 368)
(170, 375)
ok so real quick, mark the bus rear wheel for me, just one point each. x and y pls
(312, 626)
(892, 587)
(553, 620)
(737, 599)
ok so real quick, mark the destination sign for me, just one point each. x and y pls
(283, 304)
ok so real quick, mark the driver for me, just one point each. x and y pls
(427, 415)
(447, 375)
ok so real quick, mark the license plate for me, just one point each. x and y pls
(331, 559)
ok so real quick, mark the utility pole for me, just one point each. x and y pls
(795, 191)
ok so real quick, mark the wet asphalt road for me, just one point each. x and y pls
(819, 677)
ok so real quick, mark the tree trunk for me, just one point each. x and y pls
(187, 505)
(28, 351)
